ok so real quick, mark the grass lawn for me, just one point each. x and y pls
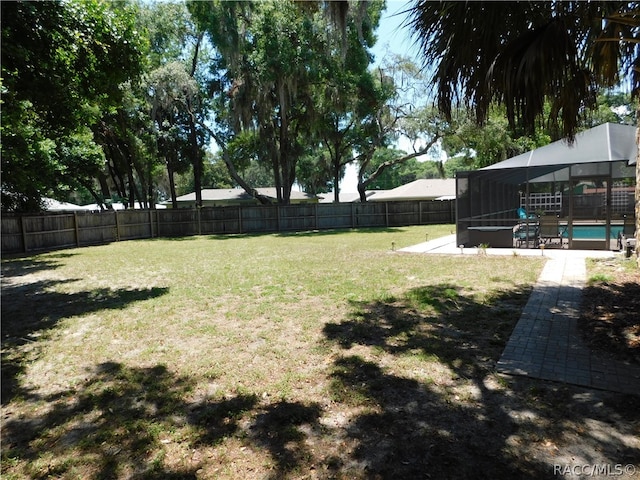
(313, 355)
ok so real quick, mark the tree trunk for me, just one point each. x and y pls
(104, 188)
(283, 152)
(197, 161)
(362, 185)
(290, 176)
(277, 177)
(131, 179)
(232, 169)
(193, 134)
(93, 193)
(335, 166)
(172, 181)
(151, 201)
(144, 188)
(117, 180)
(637, 197)
(132, 187)
(362, 190)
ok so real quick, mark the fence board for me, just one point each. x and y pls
(134, 224)
(370, 215)
(260, 219)
(220, 220)
(96, 228)
(42, 232)
(178, 222)
(297, 217)
(334, 215)
(48, 231)
(11, 234)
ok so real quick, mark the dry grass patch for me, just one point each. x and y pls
(318, 355)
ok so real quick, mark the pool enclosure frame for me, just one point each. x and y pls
(587, 188)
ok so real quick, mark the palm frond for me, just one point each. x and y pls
(525, 53)
(616, 49)
(543, 64)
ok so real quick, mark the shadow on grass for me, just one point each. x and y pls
(452, 421)
(287, 234)
(610, 319)
(114, 424)
(435, 321)
(147, 422)
(124, 423)
(18, 267)
(340, 231)
(30, 310)
(280, 429)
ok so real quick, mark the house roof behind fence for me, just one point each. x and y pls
(424, 188)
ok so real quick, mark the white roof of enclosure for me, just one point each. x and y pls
(605, 143)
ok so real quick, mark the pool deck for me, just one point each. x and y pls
(545, 342)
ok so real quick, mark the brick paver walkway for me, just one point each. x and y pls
(546, 343)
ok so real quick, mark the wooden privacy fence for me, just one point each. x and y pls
(50, 231)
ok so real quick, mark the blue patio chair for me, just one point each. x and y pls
(522, 214)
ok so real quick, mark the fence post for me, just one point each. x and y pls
(353, 215)
(198, 207)
(115, 213)
(76, 228)
(151, 222)
(239, 218)
(24, 234)
(386, 214)
(315, 215)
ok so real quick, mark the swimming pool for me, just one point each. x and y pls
(593, 232)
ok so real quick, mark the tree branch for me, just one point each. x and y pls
(232, 169)
(362, 184)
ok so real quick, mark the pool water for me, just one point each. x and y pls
(593, 232)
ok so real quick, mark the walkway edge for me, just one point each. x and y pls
(546, 343)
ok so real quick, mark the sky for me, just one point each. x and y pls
(394, 38)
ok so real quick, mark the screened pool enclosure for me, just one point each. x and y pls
(578, 196)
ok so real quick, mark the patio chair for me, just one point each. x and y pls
(627, 236)
(550, 229)
(525, 233)
(522, 215)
